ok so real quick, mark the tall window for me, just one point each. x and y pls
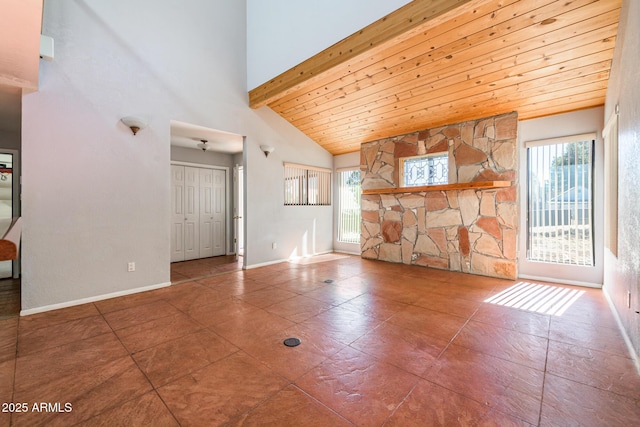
(560, 200)
(306, 185)
(349, 206)
(425, 170)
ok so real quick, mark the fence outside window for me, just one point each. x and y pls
(560, 200)
(349, 206)
(306, 185)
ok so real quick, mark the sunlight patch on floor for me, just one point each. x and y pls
(544, 299)
(314, 259)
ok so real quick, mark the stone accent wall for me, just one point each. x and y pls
(473, 231)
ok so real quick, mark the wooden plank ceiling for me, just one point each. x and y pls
(437, 62)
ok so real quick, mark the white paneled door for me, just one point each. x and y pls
(177, 213)
(206, 212)
(219, 210)
(198, 213)
(191, 213)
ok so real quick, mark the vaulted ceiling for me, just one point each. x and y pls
(437, 62)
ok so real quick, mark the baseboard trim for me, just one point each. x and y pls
(278, 261)
(264, 264)
(92, 299)
(347, 252)
(562, 281)
(295, 258)
(623, 331)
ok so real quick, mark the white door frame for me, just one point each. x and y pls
(238, 214)
(227, 190)
(16, 207)
(564, 273)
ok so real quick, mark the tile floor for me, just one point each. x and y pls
(9, 298)
(204, 267)
(382, 344)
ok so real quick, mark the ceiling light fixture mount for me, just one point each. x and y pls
(136, 124)
(203, 145)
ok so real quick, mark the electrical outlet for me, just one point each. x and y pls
(131, 266)
(273, 245)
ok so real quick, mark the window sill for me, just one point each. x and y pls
(443, 187)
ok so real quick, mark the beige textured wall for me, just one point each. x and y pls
(472, 231)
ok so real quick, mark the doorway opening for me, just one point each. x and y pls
(204, 202)
(9, 208)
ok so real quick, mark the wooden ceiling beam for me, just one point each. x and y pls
(404, 22)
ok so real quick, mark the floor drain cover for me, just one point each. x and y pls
(328, 281)
(292, 342)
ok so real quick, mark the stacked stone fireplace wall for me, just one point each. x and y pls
(472, 231)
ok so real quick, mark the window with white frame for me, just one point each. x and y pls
(560, 200)
(306, 185)
(430, 169)
(349, 205)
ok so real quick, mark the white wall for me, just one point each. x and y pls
(575, 123)
(343, 161)
(96, 197)
(622, 273)
(283, 33)
(296, 230)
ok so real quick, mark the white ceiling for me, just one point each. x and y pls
(189, 136)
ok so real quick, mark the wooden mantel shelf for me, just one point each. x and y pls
(442, 187)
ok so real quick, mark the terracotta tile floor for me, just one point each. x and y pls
(9, 298)
(198, 268)
(382, 344)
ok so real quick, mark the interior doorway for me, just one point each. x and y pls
(204, 201)
(6, 202)
(9, 207)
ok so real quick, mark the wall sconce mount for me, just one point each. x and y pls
(267, 149)
(134, 123)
